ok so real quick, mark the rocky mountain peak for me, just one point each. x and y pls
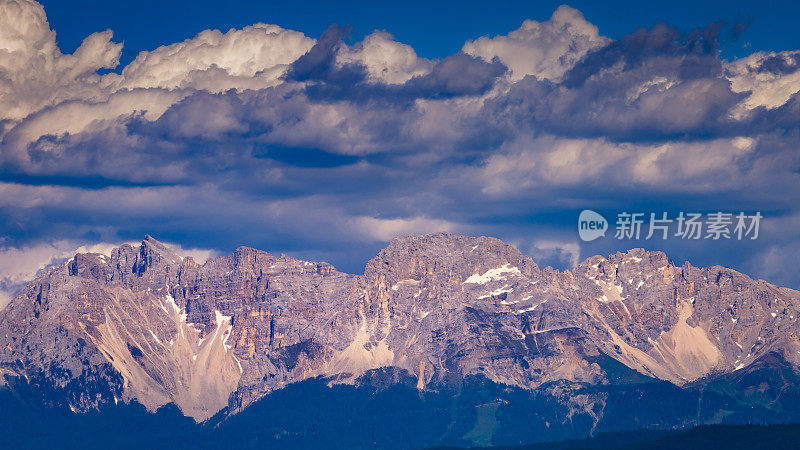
(154, 253)
(445, 255)
(157, 328)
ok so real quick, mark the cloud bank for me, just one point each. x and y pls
(326, 148)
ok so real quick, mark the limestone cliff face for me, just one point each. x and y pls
(147, 325)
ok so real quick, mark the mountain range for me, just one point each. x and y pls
(464, 340)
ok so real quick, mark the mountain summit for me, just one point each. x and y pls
(146, 325)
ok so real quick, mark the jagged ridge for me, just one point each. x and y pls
(154, 327)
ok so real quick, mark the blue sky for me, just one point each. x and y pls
(286, 133)
(433, 28)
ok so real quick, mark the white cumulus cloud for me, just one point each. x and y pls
(767, 88)
(34, 73)
(251, 58)
(386, 60)
(545, 50)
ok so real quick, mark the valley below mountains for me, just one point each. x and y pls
(444, 340)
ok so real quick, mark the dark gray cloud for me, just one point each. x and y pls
(330, 80)
(319, 63)
(784, 64)
(654, 85)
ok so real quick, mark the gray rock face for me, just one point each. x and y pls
(147, 325)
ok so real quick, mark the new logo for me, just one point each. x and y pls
(591, 225)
